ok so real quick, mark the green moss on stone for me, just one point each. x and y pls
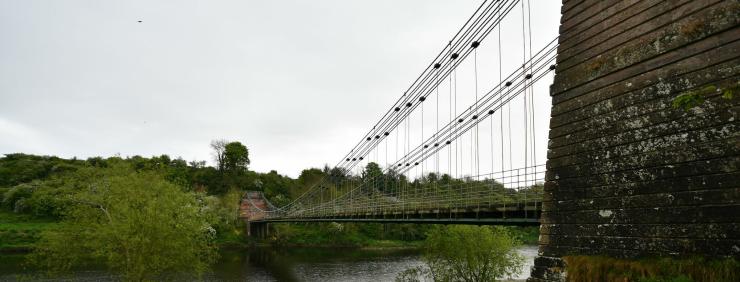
(600, 268)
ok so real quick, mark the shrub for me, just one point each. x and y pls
(13, 199)
(467, 253)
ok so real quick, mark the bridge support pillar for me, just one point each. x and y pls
(628, 175)
(258, 230)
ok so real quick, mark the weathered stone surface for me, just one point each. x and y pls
(725, 165)
(618, 97)
(649, 77)
(619, 190)
(658, 18)
(586, 23)
(656, 137)
(693, 34)
(627, 174)
(679, 230)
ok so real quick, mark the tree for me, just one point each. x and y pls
(467, 253)
(372, 176)
(219, 148)
(393, 181)
(372, 171)
(336, 175)
(230, 156)
(310, 177)
(136, 223)
(232, 160)
(235, 157)
(274, 184)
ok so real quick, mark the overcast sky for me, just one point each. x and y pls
(298, 82)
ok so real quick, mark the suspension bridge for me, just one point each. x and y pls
(458, 146)
(640, 101)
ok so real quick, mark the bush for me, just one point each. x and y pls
(138, 224)
(48, 200)
(467, 253)
(14, 198)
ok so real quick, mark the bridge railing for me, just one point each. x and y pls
(505, 191)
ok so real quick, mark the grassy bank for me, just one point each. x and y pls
(19, 232)
(527, 235)
(368, 235)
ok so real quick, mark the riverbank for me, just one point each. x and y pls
(369, 235)
(277, 264)
(20, 232)
(368, 246)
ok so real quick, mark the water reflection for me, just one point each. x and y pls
(284, 264)
(313, 264)
(323, 264)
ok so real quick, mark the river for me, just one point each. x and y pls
(288, 264)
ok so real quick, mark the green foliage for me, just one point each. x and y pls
(316, 234)
(135, 222)
(468, 253)
(347, 234)
(527, 235)
(688, 100)
(274, 184)
(14, 199)
(222, 211)
(236, 157)
(20, 231)
(48, 183)
(21, 168)
(40, 198)
(48, 200)
(336, 175)
(372, 171)
(598, 268)
(728, 93)
(691, 99)
(231, 173)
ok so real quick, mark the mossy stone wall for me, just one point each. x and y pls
(629, 175)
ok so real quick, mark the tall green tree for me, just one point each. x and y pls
(372, 176)
(232, 162)
(137, 223)
(236, 157)
(336, 175)
(372, 171)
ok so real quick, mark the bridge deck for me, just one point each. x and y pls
(518, 214)
(473, 221)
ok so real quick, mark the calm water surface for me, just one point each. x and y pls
(270, 264)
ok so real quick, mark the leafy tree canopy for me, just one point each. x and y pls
(236, 157)
(137, 223)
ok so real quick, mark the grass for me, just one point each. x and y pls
(19, 232)
(527, 235)
(598, 268)
(371, 244)
(233, 238)
(340, 235)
